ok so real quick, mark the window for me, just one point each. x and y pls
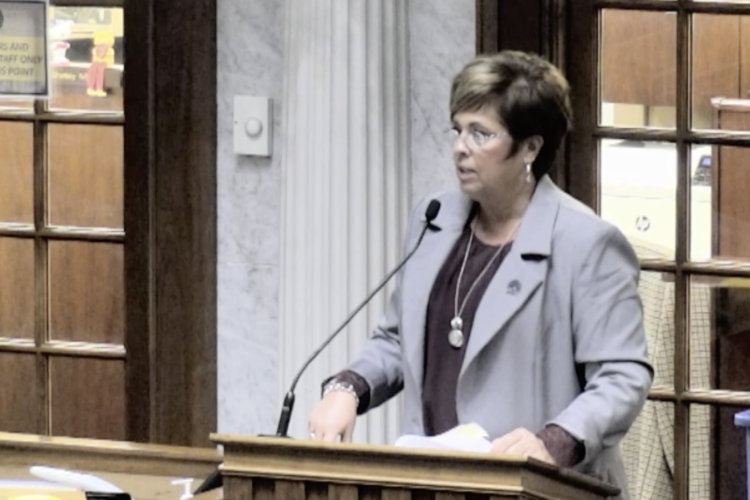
(662, 149)
(62, 288)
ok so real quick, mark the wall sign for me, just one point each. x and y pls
(23, 49)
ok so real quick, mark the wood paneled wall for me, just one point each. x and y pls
(638, 63)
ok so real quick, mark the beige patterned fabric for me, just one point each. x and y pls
(648, 449)
(699, 309)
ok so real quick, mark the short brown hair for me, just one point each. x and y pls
(529, 94)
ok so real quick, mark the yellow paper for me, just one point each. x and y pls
(473, 431)
(28, 490)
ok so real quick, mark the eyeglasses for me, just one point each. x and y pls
(474, 139)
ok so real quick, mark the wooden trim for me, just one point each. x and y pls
(693, 7)
(77, 117)
(170, 220)
(718, 268)
(521, 26)
(716, 201)
(487, 24)
(82, 234)
(651, 5)
(87, 3)
(658, 265)
(60, 233)
(681, 328)
(41, 271)
(185, 221)
(709, 268)
(717, 397)
(710, 137)
(555, 32)
(22, 450)
(584, 80)
(139, 136)
(662, 394)
(705, 397)
(63, 348)
(634, 134)
(701, 7)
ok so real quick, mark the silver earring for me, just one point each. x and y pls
(528, 172)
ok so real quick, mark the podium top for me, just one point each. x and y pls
(395, 467)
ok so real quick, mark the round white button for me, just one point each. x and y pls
(253, 127)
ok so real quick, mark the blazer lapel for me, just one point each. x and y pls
(420, 274)
(521, 273)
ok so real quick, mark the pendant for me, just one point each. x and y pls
(456, 336)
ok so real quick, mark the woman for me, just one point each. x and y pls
(521, 313)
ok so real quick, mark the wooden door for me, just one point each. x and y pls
(62, 298)
(108, 229)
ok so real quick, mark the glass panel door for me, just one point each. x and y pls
(62, 297)
(663, 130)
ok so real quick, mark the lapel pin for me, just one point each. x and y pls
(514, 287)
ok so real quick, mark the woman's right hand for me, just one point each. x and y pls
(334, 417)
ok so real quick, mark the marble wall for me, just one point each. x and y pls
(442, 41)
(251, 62)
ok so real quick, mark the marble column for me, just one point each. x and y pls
(345, 185)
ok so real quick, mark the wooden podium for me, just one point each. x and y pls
(285, 469)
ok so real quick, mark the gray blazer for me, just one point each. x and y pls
(557, 338)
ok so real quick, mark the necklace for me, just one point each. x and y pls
(456, 334)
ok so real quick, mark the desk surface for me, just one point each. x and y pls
(140, 487)
(145, 471)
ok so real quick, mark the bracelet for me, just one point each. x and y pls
(336, 386)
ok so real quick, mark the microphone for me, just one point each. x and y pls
(286, 410)
(215, 479)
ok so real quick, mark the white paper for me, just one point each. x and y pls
(85, 482)
(469, 437)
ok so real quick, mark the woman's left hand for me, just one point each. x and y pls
(522, 442)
